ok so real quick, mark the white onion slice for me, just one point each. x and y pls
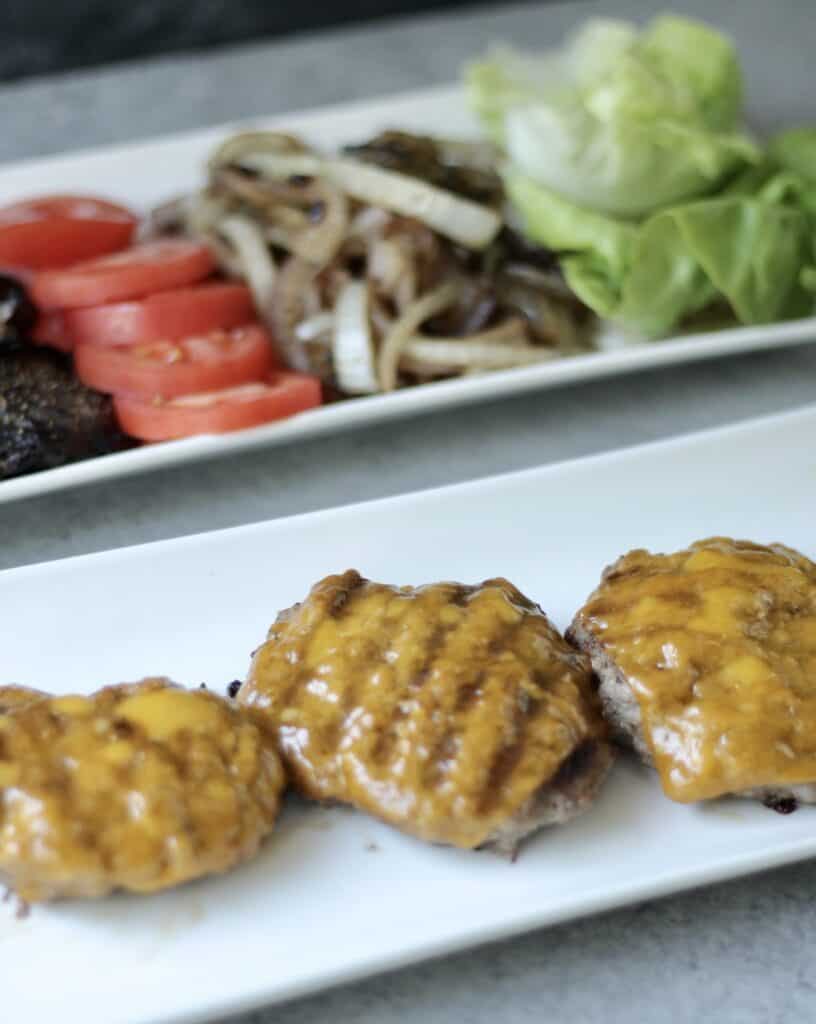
(461, 220)
(353, 347)
(314, 327)
(368, 221)
(248, 241)
(234, 148)
(282, 165)
(404, 327)
(422, 354)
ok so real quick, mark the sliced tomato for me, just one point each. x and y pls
(51, 329)
(55, 231)
(164, 316)
(136, 272)
(217, 412)
(208, 362)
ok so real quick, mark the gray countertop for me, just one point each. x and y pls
(740, 952)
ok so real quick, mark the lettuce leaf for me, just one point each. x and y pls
(795, 150)
(755, 250)
(700, 61)
(626, 155)
(620, 121)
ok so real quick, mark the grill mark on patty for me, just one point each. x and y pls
(438, 639)
(380, 751)
(350, 698)
(507, 757)
(457, 717)
(450, 718)
(334, 607)
(436, 643)
(468, 693)
(501, 768)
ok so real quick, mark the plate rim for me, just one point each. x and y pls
(687, 438)
(590, 901)
(366, 411)
(351, 107)
(592, 367)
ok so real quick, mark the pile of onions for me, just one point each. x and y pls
(371, 277)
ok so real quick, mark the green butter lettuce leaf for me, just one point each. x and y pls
(626, 155)
(750, 251)
(620, 121)
(620, 168)
(595, 250)
(497, 85)
(807, 278)
(664, 281)
(795, 150)
(510, 78)
(700, 61)
(755, 250)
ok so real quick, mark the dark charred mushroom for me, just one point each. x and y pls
(47, 417)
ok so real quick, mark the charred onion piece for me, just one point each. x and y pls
(468, 169)
(396, 261)
(297, 298)
(311, 217)
(463, 221)
(254, 258)
(442, 356)
(233, 149)
(170, 218)
(405, 327)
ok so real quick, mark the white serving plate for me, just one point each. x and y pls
(145, 173)
(335, 895)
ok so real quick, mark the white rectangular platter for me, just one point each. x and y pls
(335, 895)
(142, 174)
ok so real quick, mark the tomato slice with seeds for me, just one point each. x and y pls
(164, 316)
(56, 231)
(218, 412)
(166, 369)
(132, 274)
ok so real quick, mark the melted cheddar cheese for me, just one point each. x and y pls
(718, 643)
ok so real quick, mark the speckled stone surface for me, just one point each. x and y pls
(737, 953)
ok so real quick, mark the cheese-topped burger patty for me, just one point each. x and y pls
(458, 714)
(140, 786)
(707, 667)
(14, 696)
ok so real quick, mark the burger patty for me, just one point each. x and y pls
(706, 662)
(139, 787)
(457, 713)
